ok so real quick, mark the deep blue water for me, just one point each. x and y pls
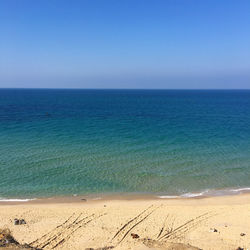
(64, 142)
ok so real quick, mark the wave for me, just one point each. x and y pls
(186, 195)
(208, 192)
(241, 189)
(15, 200)
(204, 193)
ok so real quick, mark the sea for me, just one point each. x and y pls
(165, 143)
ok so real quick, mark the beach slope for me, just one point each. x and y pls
(208, 223)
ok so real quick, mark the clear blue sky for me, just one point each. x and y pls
(125, 43)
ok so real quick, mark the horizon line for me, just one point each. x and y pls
(1, 88)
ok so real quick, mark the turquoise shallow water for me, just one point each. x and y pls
(164, 142)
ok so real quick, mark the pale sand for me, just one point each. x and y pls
(94, 224)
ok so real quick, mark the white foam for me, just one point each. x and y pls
(186, 195)
(240, 189)
(191, 195)
(211, 192)
(15, 200)
(168, 197)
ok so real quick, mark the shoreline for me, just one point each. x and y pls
(75, 199)
(209, 193)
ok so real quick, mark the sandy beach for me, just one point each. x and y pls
(207, 223)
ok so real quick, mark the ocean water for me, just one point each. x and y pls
(163, 142)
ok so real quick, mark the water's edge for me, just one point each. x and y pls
(132, 196)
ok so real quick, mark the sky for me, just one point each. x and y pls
(172, 44)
